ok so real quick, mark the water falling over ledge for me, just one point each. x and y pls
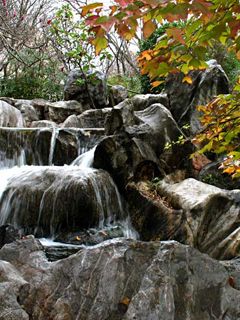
(54, 201)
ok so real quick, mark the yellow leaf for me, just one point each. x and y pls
(90, 7)
(99, 43)
(78, 238)
(187, 79)
(125, 301)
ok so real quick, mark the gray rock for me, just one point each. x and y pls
(123, 280)
(94, 118)
(184, 97)
(40, 106)
(10, 116)
(59, 111)
(71, 122)
(28, 112)
(49, 200)
(43, 124)
(94, 93)
(211, 216)
(143, 101)
(117, 94)
(137, 138)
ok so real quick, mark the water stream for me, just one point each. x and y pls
(51, 200)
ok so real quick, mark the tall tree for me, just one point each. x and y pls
(21, 26)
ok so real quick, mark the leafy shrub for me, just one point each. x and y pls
(40, 80)
(228, 61)
(30, 87)
(133, 84)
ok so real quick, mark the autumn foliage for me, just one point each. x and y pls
(182, 49)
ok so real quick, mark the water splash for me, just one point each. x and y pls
(17, 160)
(85, 160)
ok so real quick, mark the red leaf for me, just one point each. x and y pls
(124, 3)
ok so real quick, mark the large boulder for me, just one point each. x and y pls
(210, 216)
(10, 116)
(47, 200)
(120, 280)
(94, 118)
(136, 140)
(27, 110)
(59, 111)
(184, 97)
(93, 94)
(152, 216)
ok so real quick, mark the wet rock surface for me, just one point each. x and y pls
(44, 146)
(46, 200)
(120, 279)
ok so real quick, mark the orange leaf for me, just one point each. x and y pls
(148, 28)
(177, 34)
(145, 55)
(156, 83)
(229, 170)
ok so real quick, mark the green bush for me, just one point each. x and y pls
(41, 77)
(228, 61)
(25, 87)
(133, 84)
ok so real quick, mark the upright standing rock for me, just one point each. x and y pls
(184, 97)
(93, 93)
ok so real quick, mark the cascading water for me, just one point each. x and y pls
(53, 200)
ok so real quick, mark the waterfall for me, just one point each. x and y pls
(55, 133)
(85, 161)
(47, 200)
